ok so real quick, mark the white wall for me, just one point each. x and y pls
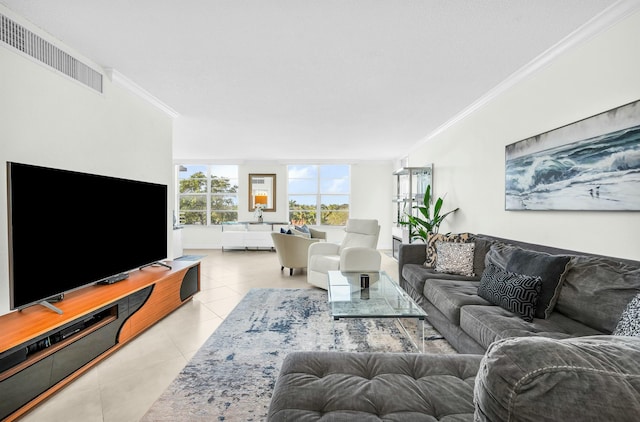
(280, 214)
(371, 195)
(600, 74)
(371, 192)
(50, 120)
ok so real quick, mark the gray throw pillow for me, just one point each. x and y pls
(550, 268)
(597, 290)
(517, 293)
(480, 252)
(629, 324)
(499, 254)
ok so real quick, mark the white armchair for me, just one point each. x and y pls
(356, 253)
(292, 250)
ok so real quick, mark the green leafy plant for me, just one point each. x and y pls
(428, 220)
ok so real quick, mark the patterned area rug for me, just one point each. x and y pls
(233, 374)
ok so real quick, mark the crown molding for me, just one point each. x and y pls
(596, 25)
(136, 89)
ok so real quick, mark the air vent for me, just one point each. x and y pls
(20, 38)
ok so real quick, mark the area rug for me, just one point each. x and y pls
(232, 376)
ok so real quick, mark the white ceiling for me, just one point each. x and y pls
(311, 80)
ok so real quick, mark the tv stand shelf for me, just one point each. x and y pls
(42, 351)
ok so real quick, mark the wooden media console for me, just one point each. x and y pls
(42, 351)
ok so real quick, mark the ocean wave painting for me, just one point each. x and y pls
(598, 169)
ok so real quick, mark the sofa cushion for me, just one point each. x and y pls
(455, 258)
(438, 237)
(551, 270)
(517, 293)
(416, 275)
(449, 296)
(338, 386)
(629, 324)
(597, 290)
(486, 324)
(578, 379)
(324, 263)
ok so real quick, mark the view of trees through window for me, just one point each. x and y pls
(207, 194)
(319, 194)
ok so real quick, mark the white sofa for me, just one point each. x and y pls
(249, 235)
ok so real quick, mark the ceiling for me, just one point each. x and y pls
(323, 80)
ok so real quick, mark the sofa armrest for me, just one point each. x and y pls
(357, 259)
(323, 248)
(317, 234)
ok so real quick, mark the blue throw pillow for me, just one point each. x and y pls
(303, 229)
(517, 293)
(285, 232)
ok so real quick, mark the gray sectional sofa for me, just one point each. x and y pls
(592, 294)
(557, 362)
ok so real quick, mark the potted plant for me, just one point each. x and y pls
(428, 221)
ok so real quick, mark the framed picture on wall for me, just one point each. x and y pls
(262, 192)
(592, 165)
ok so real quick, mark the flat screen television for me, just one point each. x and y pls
(68, 229)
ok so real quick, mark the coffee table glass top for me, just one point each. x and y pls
(383, 299)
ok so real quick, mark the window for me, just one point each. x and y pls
(207, 194)
(319, 194)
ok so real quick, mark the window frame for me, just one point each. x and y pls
(318, 192)
(209, 195)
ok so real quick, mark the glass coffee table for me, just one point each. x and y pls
(383, 299)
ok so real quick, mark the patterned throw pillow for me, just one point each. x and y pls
(431, 245)
(455, 258)
(629, 324)
(517, 293)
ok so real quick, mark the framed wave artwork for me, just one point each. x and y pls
(591, 165)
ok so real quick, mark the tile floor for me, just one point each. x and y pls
(122, 387)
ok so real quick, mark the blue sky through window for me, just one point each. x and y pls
(306, 182)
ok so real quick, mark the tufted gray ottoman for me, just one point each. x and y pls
(333, 386)
(524, 379)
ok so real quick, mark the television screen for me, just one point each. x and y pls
(68, 229)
